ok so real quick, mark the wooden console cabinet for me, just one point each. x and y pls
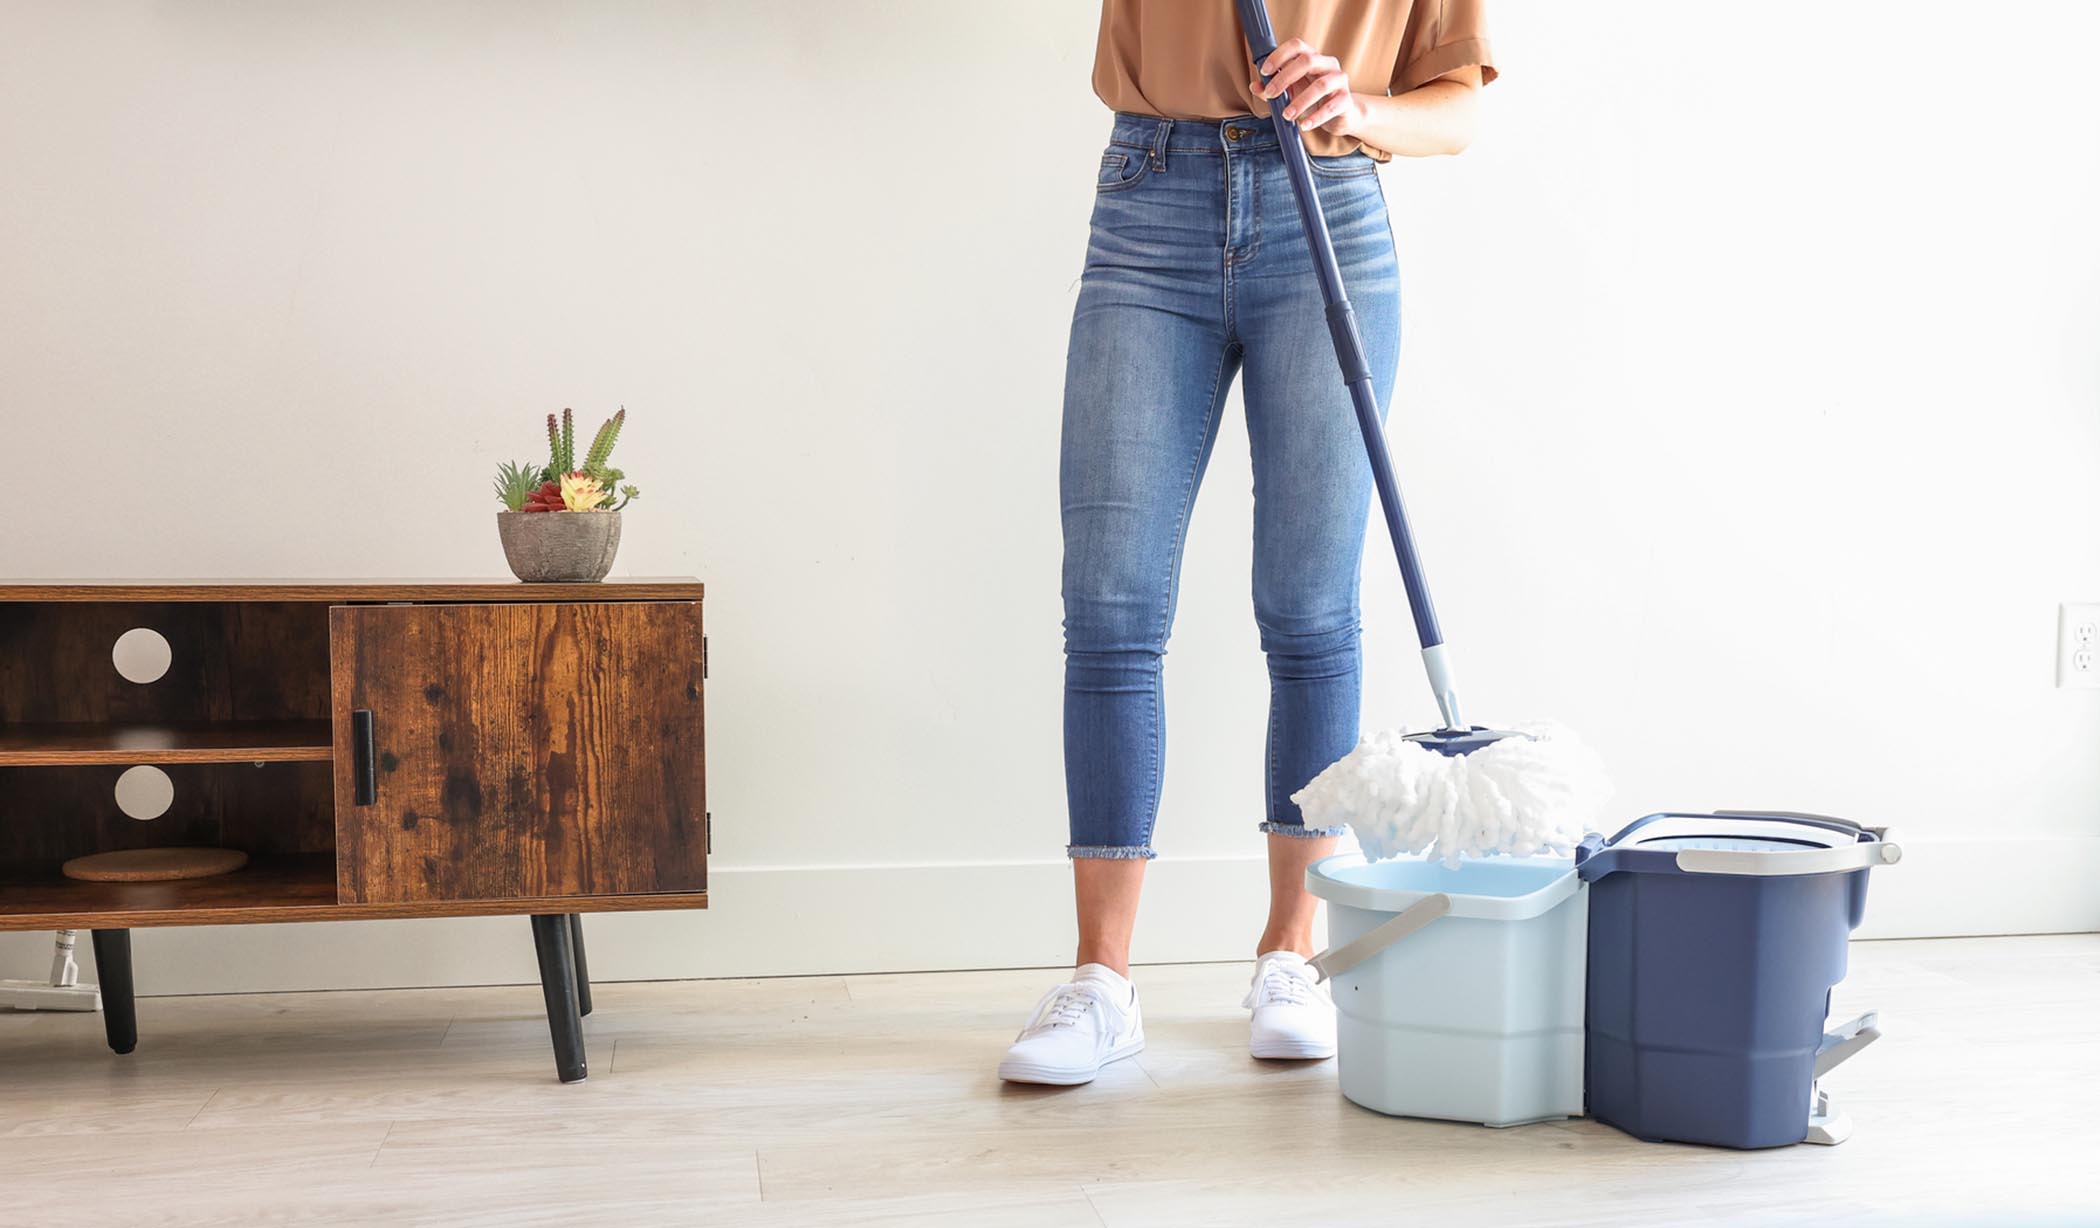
(378, 749)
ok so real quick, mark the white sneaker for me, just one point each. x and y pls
(1293, 1016)
(1076, 1029)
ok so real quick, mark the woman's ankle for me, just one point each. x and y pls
(1282, 940)
(1117, 962)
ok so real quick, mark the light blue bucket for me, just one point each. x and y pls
(1459, 991)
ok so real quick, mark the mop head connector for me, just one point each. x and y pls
(1454, 793)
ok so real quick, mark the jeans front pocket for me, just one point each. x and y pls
(1123, 166)
(1345, 166)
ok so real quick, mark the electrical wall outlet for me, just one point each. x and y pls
(2078, 645)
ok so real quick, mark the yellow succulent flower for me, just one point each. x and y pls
(581, 493)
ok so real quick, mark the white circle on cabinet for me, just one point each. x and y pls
(145, 792)
(142, 655)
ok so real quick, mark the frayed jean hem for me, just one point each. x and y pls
(1110, 852)
(1299, 831)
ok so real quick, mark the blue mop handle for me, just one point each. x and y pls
(1356, 370)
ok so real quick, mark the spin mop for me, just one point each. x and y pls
(1459, 789)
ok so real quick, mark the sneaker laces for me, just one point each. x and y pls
(1281, 984)
(1064, 1007)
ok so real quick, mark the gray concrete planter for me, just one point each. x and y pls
(559, 547)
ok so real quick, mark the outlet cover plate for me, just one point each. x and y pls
(2078, 645)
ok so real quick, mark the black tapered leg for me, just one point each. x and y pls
(551, 934)
(120, 1017)
(583, 966)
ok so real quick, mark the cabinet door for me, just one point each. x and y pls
(518, 751)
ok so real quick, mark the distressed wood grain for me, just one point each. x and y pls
(523, 750)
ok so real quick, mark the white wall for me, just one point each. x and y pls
(1750, 409)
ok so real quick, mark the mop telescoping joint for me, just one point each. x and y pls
(1458, 789)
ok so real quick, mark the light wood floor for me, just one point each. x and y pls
(870, 1099)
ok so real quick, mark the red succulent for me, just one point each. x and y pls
(546, 499)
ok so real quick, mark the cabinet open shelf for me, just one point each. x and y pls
(296, 885)
(81, 744)
(280, 887)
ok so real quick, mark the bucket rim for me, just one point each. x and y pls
(1320, 880)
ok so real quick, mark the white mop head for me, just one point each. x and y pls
(1520, 796)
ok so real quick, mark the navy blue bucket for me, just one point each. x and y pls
(1714, 941)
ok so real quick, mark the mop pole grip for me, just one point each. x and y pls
(1356, 369)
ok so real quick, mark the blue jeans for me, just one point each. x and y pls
(1198, 268)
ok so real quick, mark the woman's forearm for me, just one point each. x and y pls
(1437, 118)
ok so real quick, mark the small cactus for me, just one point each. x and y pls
(564, 484)
(602, 443)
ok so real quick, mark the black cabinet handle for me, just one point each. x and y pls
(364, 770)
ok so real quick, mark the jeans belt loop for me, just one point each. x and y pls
(1159, 144)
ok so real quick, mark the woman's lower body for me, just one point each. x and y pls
(1198, 270)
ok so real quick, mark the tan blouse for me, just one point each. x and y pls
(1186, 59)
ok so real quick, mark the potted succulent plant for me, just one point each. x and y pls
(561, 520)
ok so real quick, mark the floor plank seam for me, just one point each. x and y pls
(200, 1108)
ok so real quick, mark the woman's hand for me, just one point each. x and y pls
(1319, 89)
(1434, 118)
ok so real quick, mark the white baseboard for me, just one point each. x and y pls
(794, 920)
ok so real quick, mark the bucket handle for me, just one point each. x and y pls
(1598, 857)
(1333, 962)
(1862, 856)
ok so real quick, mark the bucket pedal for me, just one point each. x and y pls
(1847, 1039)
(1827, 1127)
